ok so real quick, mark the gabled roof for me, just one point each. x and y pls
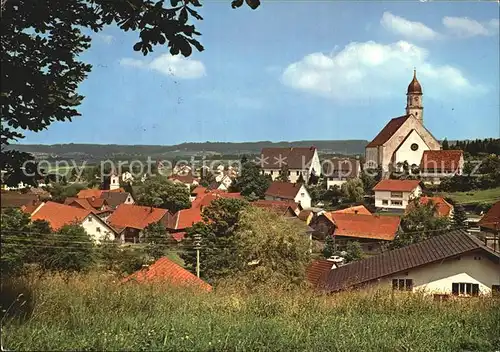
(382, 228)
(447, 160)
(433, 250)
(81, 202)
(188, 179)
(166, 270)
(114, 199)
(199, 190)
(345, 167)
(58, 215)
(184, 219)
(205, 199)
(491, 220)
(388, 131)
(17, 200)
(284, 190)
(443, 208)
(135, 216)
(89, 193)
(293, 158)
(279, 206)
(317, 269)
(357, 209)
(396, 185)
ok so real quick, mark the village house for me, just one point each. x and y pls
(300, 162)
(180, 222)
(490, 226)
(395, 195)
(455, 263)
(289, 191)
(27, 202)
(189, 180)
(438, 164)
(222, 183)
(166, 271)
(443, 208)
(130, 220)
(98, 206)
(58, 215)
(404, 138)
(113, 198)
(339, 170)
(373, 232)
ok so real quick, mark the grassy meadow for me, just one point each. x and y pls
(477, 196)
(96, 313)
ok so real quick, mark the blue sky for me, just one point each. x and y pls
(295, 70)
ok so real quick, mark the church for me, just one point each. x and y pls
(404, 138)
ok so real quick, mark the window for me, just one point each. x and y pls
(98, 229)
(385, 202)
(89, 219)
(396, 202)
(396, 194)
(302, 194)
(297, 173)
(495, 290)
(289, 173)
(464, 289)
(402, 284)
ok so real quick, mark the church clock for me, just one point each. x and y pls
(414, 146)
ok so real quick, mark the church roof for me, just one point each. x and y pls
(414, 87)
(388, 131)
(447, 160)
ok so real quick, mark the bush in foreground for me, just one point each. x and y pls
(95, 312)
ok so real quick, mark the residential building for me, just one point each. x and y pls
(114, 182)
(404, 138)
(395, 195)
(98, 206)
(443, 208)
(490, 225)
(165, 270)
(180, 222)
(113, 198)
(188, 179)
(299, 162)
(58, 215)
(357, 209)
(438, 164)
(319, 268)
(455, 263)
(338, 171)
(373, 232)
(289, 191)
(306, 216)
(130, 220)
(17, 200)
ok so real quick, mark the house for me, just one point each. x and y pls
(373, 232)
(299, 162)
(357, 209)
(130, 220)
(114, 182)
(165, 270)
(289, 191)
(338, 171)
(306, 216)
(438, 164)
(58, 215)
(395, 195)
(404, 138)
(114, 199)
(18, 200)
(181, 221)
(319, 268)
(127, 177)
(224, 182)
(286, 208)
(204, 199)
(455, 263)
(188, 179)
(490, 225)
(98, 206)
(443, 208)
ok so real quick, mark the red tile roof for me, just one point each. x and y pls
(443, 208)
(294, 158)
(178, 236)
(188, 179)
(58, 215)
(184, 219)
(135, 216)
(204, 199)
(446, 160)
(166, 270)
(31, 207)
(79, 202)
(89, 193)
(388, 131)
(199, 190)
(396, 185)
(284, 190)
(491, 220)
(358, 209)
(279, 206)
(364, 226)
(305, 214)
(318, 269)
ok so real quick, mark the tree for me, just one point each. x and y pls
(155, 235)
(109, 254)
(353, 251)
(15, 227)
(218, 255)
(271, 253)
(42, 42)
(353, 190)
(207, 177)
(69, 249)
(419, 224)
(459, 216)
(60, 192)
(445, 145)
(160, 192)
(370, 177)
(283, 176)
(251, 180)
(329, 248)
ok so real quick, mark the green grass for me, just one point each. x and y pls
(96, 313)
(480, 196)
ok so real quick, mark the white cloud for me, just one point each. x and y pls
(466, 27)
(371, 70)
(406, 28)
(232, 100)
(106, 38)
(176, 66)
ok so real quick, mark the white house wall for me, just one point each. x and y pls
(404, 152)
(97, 229)
(380, 196)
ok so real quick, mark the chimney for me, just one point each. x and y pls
(151, 209)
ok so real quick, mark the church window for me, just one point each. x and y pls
(414, 146)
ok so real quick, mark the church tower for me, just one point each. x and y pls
(414, 103)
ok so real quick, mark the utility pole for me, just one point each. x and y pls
(197, 246)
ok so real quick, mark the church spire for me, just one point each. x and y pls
(414, 105)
